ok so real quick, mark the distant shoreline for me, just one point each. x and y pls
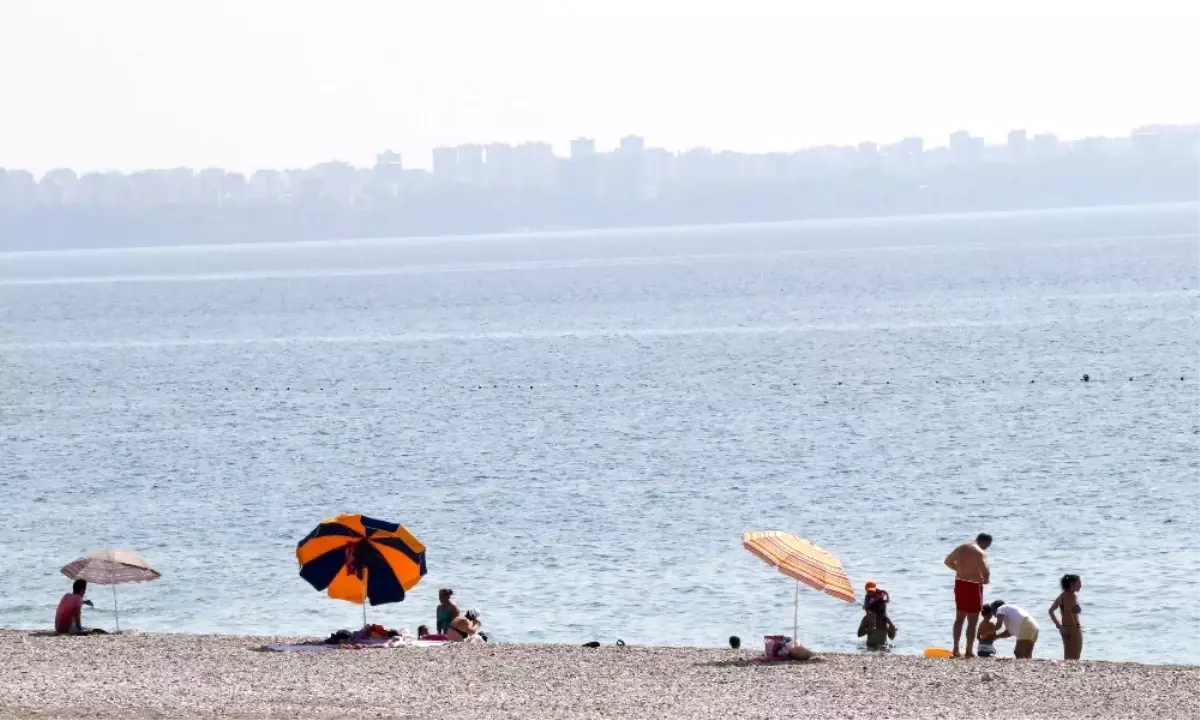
(213, 676)
(256, 642)
(566, 232)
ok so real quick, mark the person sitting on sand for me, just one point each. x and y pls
(68, 619)
(464, 628)
(446, 610)
(987, 636)
(877, 626)
(1068, 604)
(1017, 624)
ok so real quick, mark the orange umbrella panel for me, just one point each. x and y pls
(361, 559)
(802, 560)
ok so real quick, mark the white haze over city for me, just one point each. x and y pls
(128, 84)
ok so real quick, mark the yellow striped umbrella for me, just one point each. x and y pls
(803, 561)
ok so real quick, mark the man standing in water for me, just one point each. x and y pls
(970, 565)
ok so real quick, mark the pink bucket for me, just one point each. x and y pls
(776, 645)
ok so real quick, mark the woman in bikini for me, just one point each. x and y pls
(446, 610)
(464, 627)
(1068, 605)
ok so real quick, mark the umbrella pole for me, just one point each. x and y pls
(796, 615)
(116, 609)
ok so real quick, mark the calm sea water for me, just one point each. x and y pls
(579, 426)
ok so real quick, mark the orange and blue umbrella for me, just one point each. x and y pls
(360, 559)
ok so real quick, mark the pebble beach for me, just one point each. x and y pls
(211, 676)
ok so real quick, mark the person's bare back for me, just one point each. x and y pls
(969, 562)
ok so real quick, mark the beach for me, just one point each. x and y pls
(213, 676)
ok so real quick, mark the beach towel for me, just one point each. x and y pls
(785, 658)
(379, 645)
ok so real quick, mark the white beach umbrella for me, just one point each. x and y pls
(111, 567)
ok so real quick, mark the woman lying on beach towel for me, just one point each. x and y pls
(424, 634)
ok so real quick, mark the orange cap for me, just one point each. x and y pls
(870, 585)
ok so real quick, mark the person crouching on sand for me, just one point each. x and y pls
(971, 572)
(1017, 624)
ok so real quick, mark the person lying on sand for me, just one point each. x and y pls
(798, 652)
(424, 634)
(68, 619)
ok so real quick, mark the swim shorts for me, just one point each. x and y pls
(968, 596)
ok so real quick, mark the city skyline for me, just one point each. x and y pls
(954, 144)
(496, 187)
(135, 84)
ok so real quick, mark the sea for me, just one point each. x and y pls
(580, 425)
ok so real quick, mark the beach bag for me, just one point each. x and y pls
(776, 645)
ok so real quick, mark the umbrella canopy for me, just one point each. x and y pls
(801, 560)
(361, 559)
(111, 567)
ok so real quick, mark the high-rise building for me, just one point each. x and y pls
(965, 149)
(582, 148)
(633, 144)
(470, 163)
(389, 159)
(1018, 145)
(500, 167)
(445, 163)
(1044, 146)
(537, 165)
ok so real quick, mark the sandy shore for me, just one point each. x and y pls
(202, 676)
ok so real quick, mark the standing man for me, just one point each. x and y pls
(970, 565)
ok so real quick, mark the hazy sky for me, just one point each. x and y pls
(125, 84)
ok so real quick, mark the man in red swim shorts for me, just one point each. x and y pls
(970, 565)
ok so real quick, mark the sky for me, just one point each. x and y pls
(245, 84)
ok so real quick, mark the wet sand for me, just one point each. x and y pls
(205, 676)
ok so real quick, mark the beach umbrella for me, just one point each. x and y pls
(803, 561)
(111, 567)
(361, 560)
